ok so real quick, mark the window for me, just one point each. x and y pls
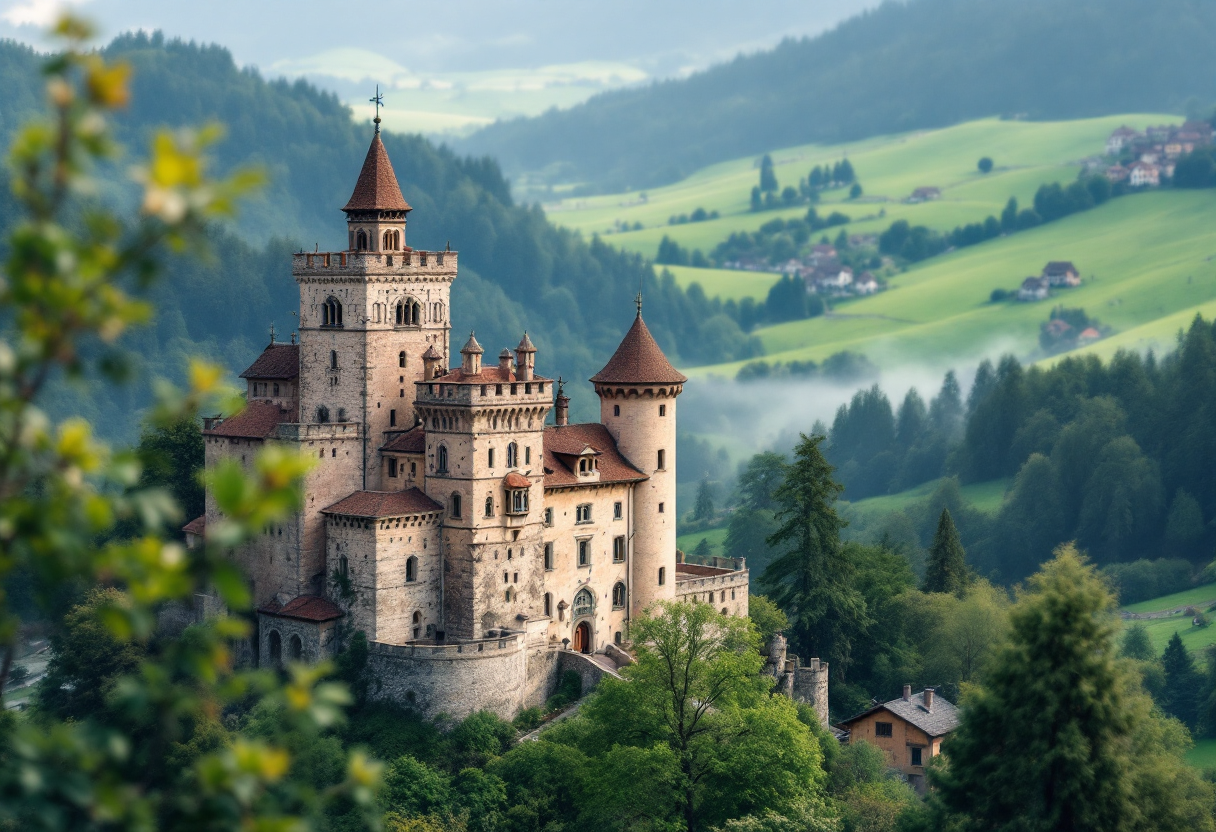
(341, 414)
(662, 459)
(297, 648)
(392, 466)
(617, 638)
(331, 312)
(361, 240)
(548, 517)
(417, 619)
(582, 514)
(409, 313)
(548, 604)
(322, 414)
(411, 569)
(549, 556)
(343, 566)
(662, 575)
(276, 389)
(441, 462)
(506, 577)
(882, 729)
(618, 550)
(392, 418)
(916, 759)
(518, 498)
(582, 466)
(616, 410)
(401, 359)
(660, 508)
(490, 506)
(527, 456)
(512, 452)
(618, 596)
(276, 648)
(490, 457)
(333, 359)
(392, 240)
(584, 553)
(584, 603)
(662, 410)
(617, 511)
(413, 469)
(456, 506)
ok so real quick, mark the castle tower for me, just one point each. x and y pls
(485, 464)
(372, 318)
(638, 389)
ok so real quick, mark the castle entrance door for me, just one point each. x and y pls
(582, 637)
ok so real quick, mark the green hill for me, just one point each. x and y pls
(900, 67)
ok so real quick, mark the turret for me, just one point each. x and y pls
(431, 362)
(470, 355)
(376, 211)
(504, 361)
(638, 389)
(525, 358)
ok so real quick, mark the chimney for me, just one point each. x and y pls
(929, 700)
(561, 415)
(907, 693)
(504, 361)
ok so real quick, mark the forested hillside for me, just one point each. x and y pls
(903, 66)
(517, 270)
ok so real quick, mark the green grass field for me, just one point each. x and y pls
(1203, 755)
(1027, 154)
(725, 283)
(716, 537)
(1194, 595)
(985, 496)
(1161, 630)
(1146, 260)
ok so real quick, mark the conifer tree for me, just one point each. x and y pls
(1182, 682)
(768, 179)
(812, 579)
(1059, 734)
(947, 567)
(703, 509)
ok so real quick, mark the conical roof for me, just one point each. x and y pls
(432, 353)
(639, 360)
(472, 346)
(525, 344)
(377, 188)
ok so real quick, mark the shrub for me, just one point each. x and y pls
(529, 719)
(1144, 579)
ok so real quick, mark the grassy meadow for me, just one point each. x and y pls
(728, 284)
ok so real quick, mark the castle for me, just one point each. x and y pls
(481, 551)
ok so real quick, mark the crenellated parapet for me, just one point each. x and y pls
(375, 266)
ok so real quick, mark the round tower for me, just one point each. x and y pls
(638, 389)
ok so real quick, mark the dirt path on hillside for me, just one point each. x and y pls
(1148, 616)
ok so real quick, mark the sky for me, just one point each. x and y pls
(449, 66)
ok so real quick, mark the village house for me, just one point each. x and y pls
(830, 280)
(1033, 288)
(1119, 138)
(908, 730)
(1143, 174)
(1116, 173)
(925, 194)
(1062, 273)
(1088, 336)
(865, 284)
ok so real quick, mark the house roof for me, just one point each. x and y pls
(492, 374)
(1059, 267)
(377, 188)
(384, 504)
(638, 360)
(277, 361)
(258, 420)
(1032, 283)
(936, 723)
(196, 526)
(516, 480)
(304, 608)
(413, 441)
(570, 441)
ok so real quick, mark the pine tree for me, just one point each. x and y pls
(947, 567)
(1182, 683)
(812, 579)
(704, 507)
(845, 173)
(768, 179)
(756, 203)
(1059, 734)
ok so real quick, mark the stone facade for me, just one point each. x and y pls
(473, 544)
(807, 684)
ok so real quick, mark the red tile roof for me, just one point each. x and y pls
(304, 608)
(639, 360)
(377, 188)
(196, 526)
(276, 361)
(413, 441)
(516, 480)
(257, 421)
(384, 504)
(569, 440)
(489, 375)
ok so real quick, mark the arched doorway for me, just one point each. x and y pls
(582, 637)
(276, 648)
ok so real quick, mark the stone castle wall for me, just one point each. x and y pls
(453, 679)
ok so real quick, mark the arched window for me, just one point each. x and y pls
(411, 569)
(331, 312)
(437, 312)
(548, 604)
(322, 416)
(361, 240)
(456, 506)
(401, 359)
(582, 466)
(297, 648)
(512, 455)
(392, 240)
(276, 648)
(417, 619)
(584, 603)
(618, 596)
(409, 312)
(441, 462)
(662, 575)
(343, 566)
(489, 506)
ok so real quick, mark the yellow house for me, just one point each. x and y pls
(909, 730)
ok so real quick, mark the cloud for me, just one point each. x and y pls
(39, 13)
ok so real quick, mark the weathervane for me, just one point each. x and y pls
(638, 301)
(378, 100)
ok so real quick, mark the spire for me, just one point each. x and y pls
(471, 346)
(638, 360)
(638, 301)
(525, 344)
(377, 188)
(377, 99)
(471, 354)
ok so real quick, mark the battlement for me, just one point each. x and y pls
(311, 431)
(429, 648)
(470, 392)
(416, 265)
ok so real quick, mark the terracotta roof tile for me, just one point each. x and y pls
(257, 421)
(196, 526)
(488, 375)
(276, 361)
(413, 441)
(384, 504)
(377, 188)
(516, 480)
(639, 360)
(305, 608)
(569, 440)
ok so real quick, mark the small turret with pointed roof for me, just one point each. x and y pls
(525, 358)
(471, 356)
(376, 211)
(639, 359)
(431, 359)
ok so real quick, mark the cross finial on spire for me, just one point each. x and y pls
(561, 386)
(378, 100)
(638, 301)
(272, 333)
